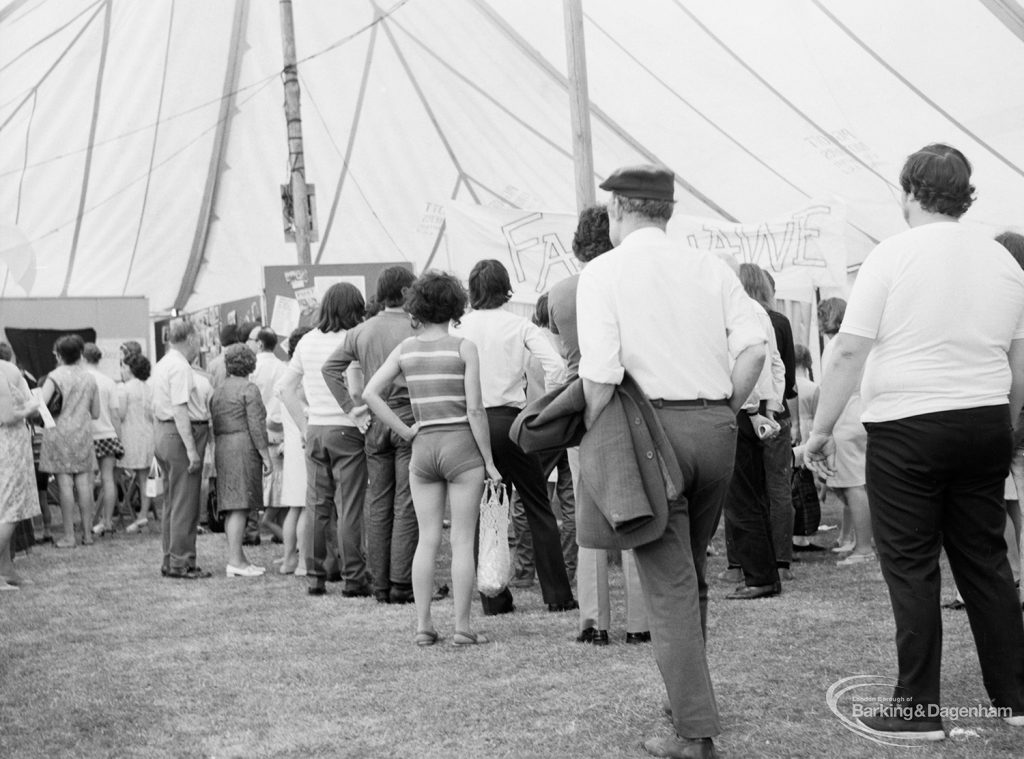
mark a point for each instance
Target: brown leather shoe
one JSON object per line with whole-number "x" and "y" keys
{"x": 681, "y": 748}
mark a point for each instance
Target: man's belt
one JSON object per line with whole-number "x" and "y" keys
{"x": 702, "y": 402}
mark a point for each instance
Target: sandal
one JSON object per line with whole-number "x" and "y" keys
{"x": 426, "y": 638}
{"x": 469, "y": 639}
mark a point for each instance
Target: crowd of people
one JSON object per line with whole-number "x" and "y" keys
{"x": 356, "y": 448}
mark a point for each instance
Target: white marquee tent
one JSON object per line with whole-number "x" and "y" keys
{"x": 142, "y": 142}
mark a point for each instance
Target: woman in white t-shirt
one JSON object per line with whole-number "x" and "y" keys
{"x": 334, "y": 442}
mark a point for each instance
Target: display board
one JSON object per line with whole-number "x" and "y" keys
{"x": 114, "y": 320}
{"x": 293, "y": 293}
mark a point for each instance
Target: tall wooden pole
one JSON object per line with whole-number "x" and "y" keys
{"x": 296, "y": 161}
{"x": 579, "y": 104}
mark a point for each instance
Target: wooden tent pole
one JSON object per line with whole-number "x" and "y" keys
{"x": 296, "y": 160}
{"x": 579, "y": 104}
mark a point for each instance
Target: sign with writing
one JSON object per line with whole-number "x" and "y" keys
{"x": 802, "y": 250}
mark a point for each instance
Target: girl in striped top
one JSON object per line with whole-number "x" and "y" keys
{"x": 451, "y": 448}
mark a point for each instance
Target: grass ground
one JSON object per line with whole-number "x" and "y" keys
{"x": 100, "y": 657}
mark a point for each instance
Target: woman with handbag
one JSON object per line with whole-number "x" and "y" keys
{"x": 241, "y": 454}
{"x": 67, "y": 450}
{"x": 136, "y": 406}
{"x": 451, "y": 449}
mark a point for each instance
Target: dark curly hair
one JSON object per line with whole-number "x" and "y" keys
{"x": 138, "y": 365}
{"x": 1014, "y": 243}
{"x": 294, "y": 337}
{"x": 239, "y": 360}
{"x": 830, "y": 315}
{"x": 939, "y": 178}
{"x": 436, "y": 298}
{"x": 489, "y": 285}
{"x": 591, "y": 237}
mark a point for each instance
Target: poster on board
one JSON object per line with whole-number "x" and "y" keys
{"x": 293, "y": 293}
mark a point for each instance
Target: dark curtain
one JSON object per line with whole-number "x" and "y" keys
{"x": 34, "y": 347}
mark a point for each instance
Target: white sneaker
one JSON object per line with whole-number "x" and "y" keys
{"x": 1016, "y": 720}
{"x": 250, "y": 571}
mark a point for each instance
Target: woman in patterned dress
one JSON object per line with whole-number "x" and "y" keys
{"x": 67, "y": 450}
{"x": 136, "y": 404}
{"x": 18, "y": 497}
{"x": 242, "y": 457}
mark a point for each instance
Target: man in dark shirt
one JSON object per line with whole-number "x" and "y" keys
{"x": 391, "y": 529}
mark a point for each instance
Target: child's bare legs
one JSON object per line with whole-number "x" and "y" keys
{"x": 428, "y": 501}
{"x": 464, "y": 496}
{"x": 855, "y": 500}
{"x": 108, "y": 494}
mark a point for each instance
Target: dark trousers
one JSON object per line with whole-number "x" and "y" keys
{"x": 564, "y": 505}
{"x": 671, "y": 568}
{"x": 391, "y": 528}
{"x": 180, "y": 522}
{"x": 336, "y": 474}
{"x": 748, "y": 527}
{"x": 777, "y": 454}
{"x": 937, "y": 480}
{"x": 523, "y": 471}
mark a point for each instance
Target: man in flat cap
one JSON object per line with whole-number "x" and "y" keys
{"x": 672, "y": 316}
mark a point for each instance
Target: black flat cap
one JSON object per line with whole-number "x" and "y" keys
{"x": 645, "y": 181}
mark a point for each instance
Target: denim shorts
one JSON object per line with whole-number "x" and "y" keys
{"x": 442, "y": 455}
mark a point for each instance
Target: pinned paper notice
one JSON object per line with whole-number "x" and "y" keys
{"x": 286, "y": 315}
{"x": 323, "y": 284}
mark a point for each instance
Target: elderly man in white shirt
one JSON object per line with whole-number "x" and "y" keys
{"x": 673, "y": 317}
{"x": 505, "y": 342}
{"x": 182, "y": 428}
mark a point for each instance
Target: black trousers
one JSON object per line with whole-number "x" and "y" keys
{"x": 523, "y": 471}
{"x": 747, "y": 510}
{"x": 937, "y": 480}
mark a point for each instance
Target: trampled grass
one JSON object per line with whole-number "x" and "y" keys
{"x": 101, "y": 657}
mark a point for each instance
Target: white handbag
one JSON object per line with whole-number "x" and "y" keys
{"x": 494, "y": 562}
{"x": 155, "y": 481}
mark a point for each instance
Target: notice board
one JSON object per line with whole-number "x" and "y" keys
{"x": 293, "y": 293}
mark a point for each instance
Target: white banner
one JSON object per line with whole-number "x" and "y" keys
{"x": 802, "y": 250}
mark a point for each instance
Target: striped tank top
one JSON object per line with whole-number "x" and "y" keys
{"x": 436, "y": 375}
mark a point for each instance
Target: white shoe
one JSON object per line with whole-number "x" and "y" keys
{"x": 135, "y": 526}
{"x": 1016, "y": 720}
{"x": 300, "y": 571}
{"x": 856, "y": 558}
{"x": 7, "y": 586}
{"x": 250, "y": 571}
{"x": 844, "y": 548}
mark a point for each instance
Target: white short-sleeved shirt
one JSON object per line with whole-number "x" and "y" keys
{"x": 506, "y": 342}
{"x": 308, "y": 359}
{"x": 103, "y": 428}
{"x": 674, "y": 317}
{"x": 174, "y": 382}
{"x": 942, "y": 303}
